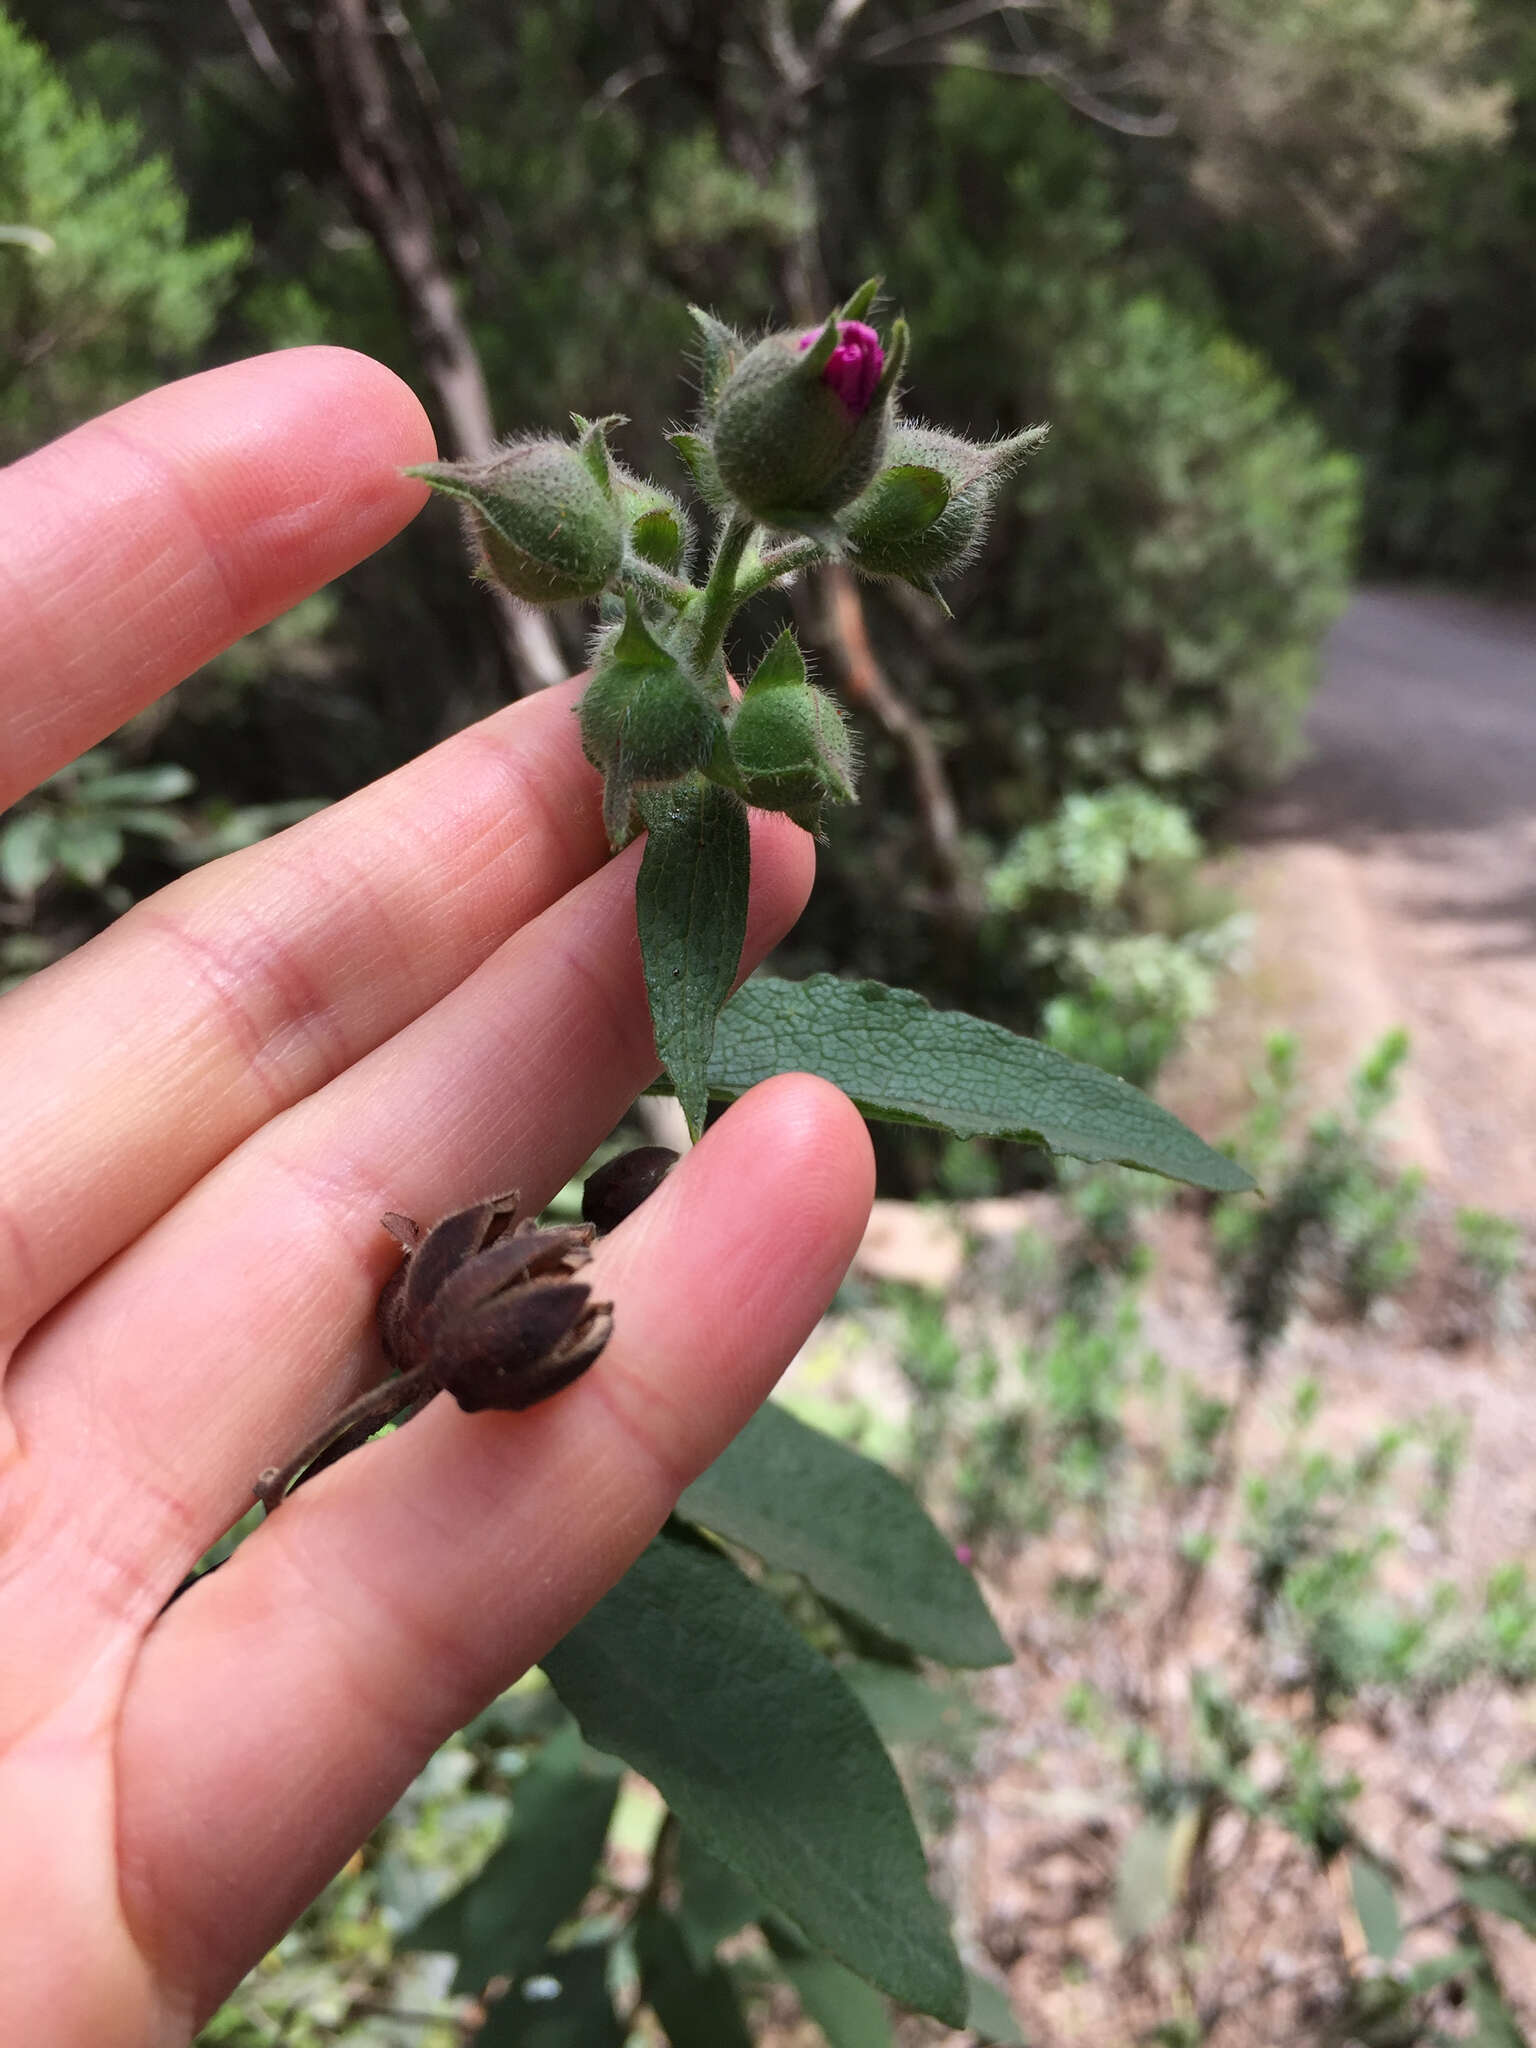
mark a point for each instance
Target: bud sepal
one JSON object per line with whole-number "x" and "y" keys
{"x": 926, "y": 514}
{"x": 540, "y": 520}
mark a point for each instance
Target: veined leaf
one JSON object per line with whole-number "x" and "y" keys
{"x": 691, "y": 906}
{"x": 694, "y": 1677}
{"x": 903, "y": 1062}
{"x": 808, "y": 1504}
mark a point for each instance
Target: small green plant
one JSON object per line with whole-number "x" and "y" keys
{"x": 1491, "y": 1254}
{"x": 1337, "y": 1214}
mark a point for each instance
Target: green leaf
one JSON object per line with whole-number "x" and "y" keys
{"x": 1506, "y": 1885}
{"x": 1497, "y": 2026}
{"x": 564, "y": 2003}
{"x": 991, "y": 2016}
{"x": 1376, "y": 1907}
{"x": 696, "y": 2005}
{"x": 695, "y": 1678}
{"x": 847, "y": 2011}
{"x": 88, "y": 849}
{"x": 903, "y": 1062}
{"x": 158, "y": 785}
{"x": 904, "y": 1706}
{"x": 713, "y": 1902}
{"x": 691, "y": 907}
{"x": 499, "y": 1923}
{"x": 28, "y": 852}
{"x": 806, "y": 1503}
{"x": 1154, "y": 1865}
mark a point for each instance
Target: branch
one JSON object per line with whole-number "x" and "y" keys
{"x": 832, "y": 33}
{"x": 261, "y": 46}
{"x": 964, "y": 15}
{"x": 865, "y": 684}
{"x": 617, "y": 83}
{"x": 919, "y": 43}
{"x": 442, "y": 139}
{"x": 390, "y": 197}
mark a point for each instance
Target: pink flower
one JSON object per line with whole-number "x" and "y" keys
{"x": 964, "y": 1553}
{"x": 853, "y": 368}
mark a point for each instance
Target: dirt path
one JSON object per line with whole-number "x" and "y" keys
{"x": 1393, "y": 879}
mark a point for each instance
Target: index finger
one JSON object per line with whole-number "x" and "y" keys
{"x": 137, "y": 547}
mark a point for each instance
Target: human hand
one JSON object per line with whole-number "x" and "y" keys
{"x": 423, "y": 995}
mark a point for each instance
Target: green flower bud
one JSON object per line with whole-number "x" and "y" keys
{"x": 542, "y": 515}
{"x": 643, "y": 720}
{"x": 926, "y": 514}
{"x": 787, "y": 748}
{"x": 659, "y": 529}
{"x": 800, "y": 424}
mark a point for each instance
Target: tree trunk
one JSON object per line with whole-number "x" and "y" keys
{"x": 392, "y": 198}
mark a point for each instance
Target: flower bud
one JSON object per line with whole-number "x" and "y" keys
{"x": 659, "y": 529}
{"x": 542, "y": 515}
{"x": 800, "y": 424}
{"x": 642, "y": 720}
{"x": 787, "y": 748}
{"x": 926, "y": 513}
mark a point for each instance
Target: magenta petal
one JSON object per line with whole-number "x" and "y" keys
{"x": 853, "y": 368}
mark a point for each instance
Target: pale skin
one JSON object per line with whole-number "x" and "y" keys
{"x": 427, "y": 994}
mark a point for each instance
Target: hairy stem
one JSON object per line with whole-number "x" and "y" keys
{"x": 778, "y": 563}
{"x": 720, "y": 593}
{"x": 650, "y": 581}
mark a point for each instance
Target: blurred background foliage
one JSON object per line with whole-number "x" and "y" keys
{"x": 1260, "y": 267}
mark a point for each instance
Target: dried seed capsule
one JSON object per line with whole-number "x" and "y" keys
{"x": 617, "y": 1189}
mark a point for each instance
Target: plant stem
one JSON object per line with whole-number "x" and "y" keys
{"x": 673, "y": 590}
{"x": 378, "y": 1406}
{"x": 721, "y": 596}
{"x": 778, "y": 563}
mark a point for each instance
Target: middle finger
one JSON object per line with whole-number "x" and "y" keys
{"x": 218, "y": 1342}
{"x": 240, "y": 989}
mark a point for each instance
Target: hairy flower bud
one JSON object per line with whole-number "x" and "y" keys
{"x": 543, "y": 515}
{"x": 660, "y": 531}
{"x": 926, "y": 514}
{"x": 787, "y": 748}
{"x": 799, "y": 426}
{"x": 643, "y": 720}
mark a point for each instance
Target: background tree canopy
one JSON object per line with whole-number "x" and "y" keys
{"x": 1255, "y": 264}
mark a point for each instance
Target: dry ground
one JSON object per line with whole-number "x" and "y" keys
{"x": 1394, "y": 882}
